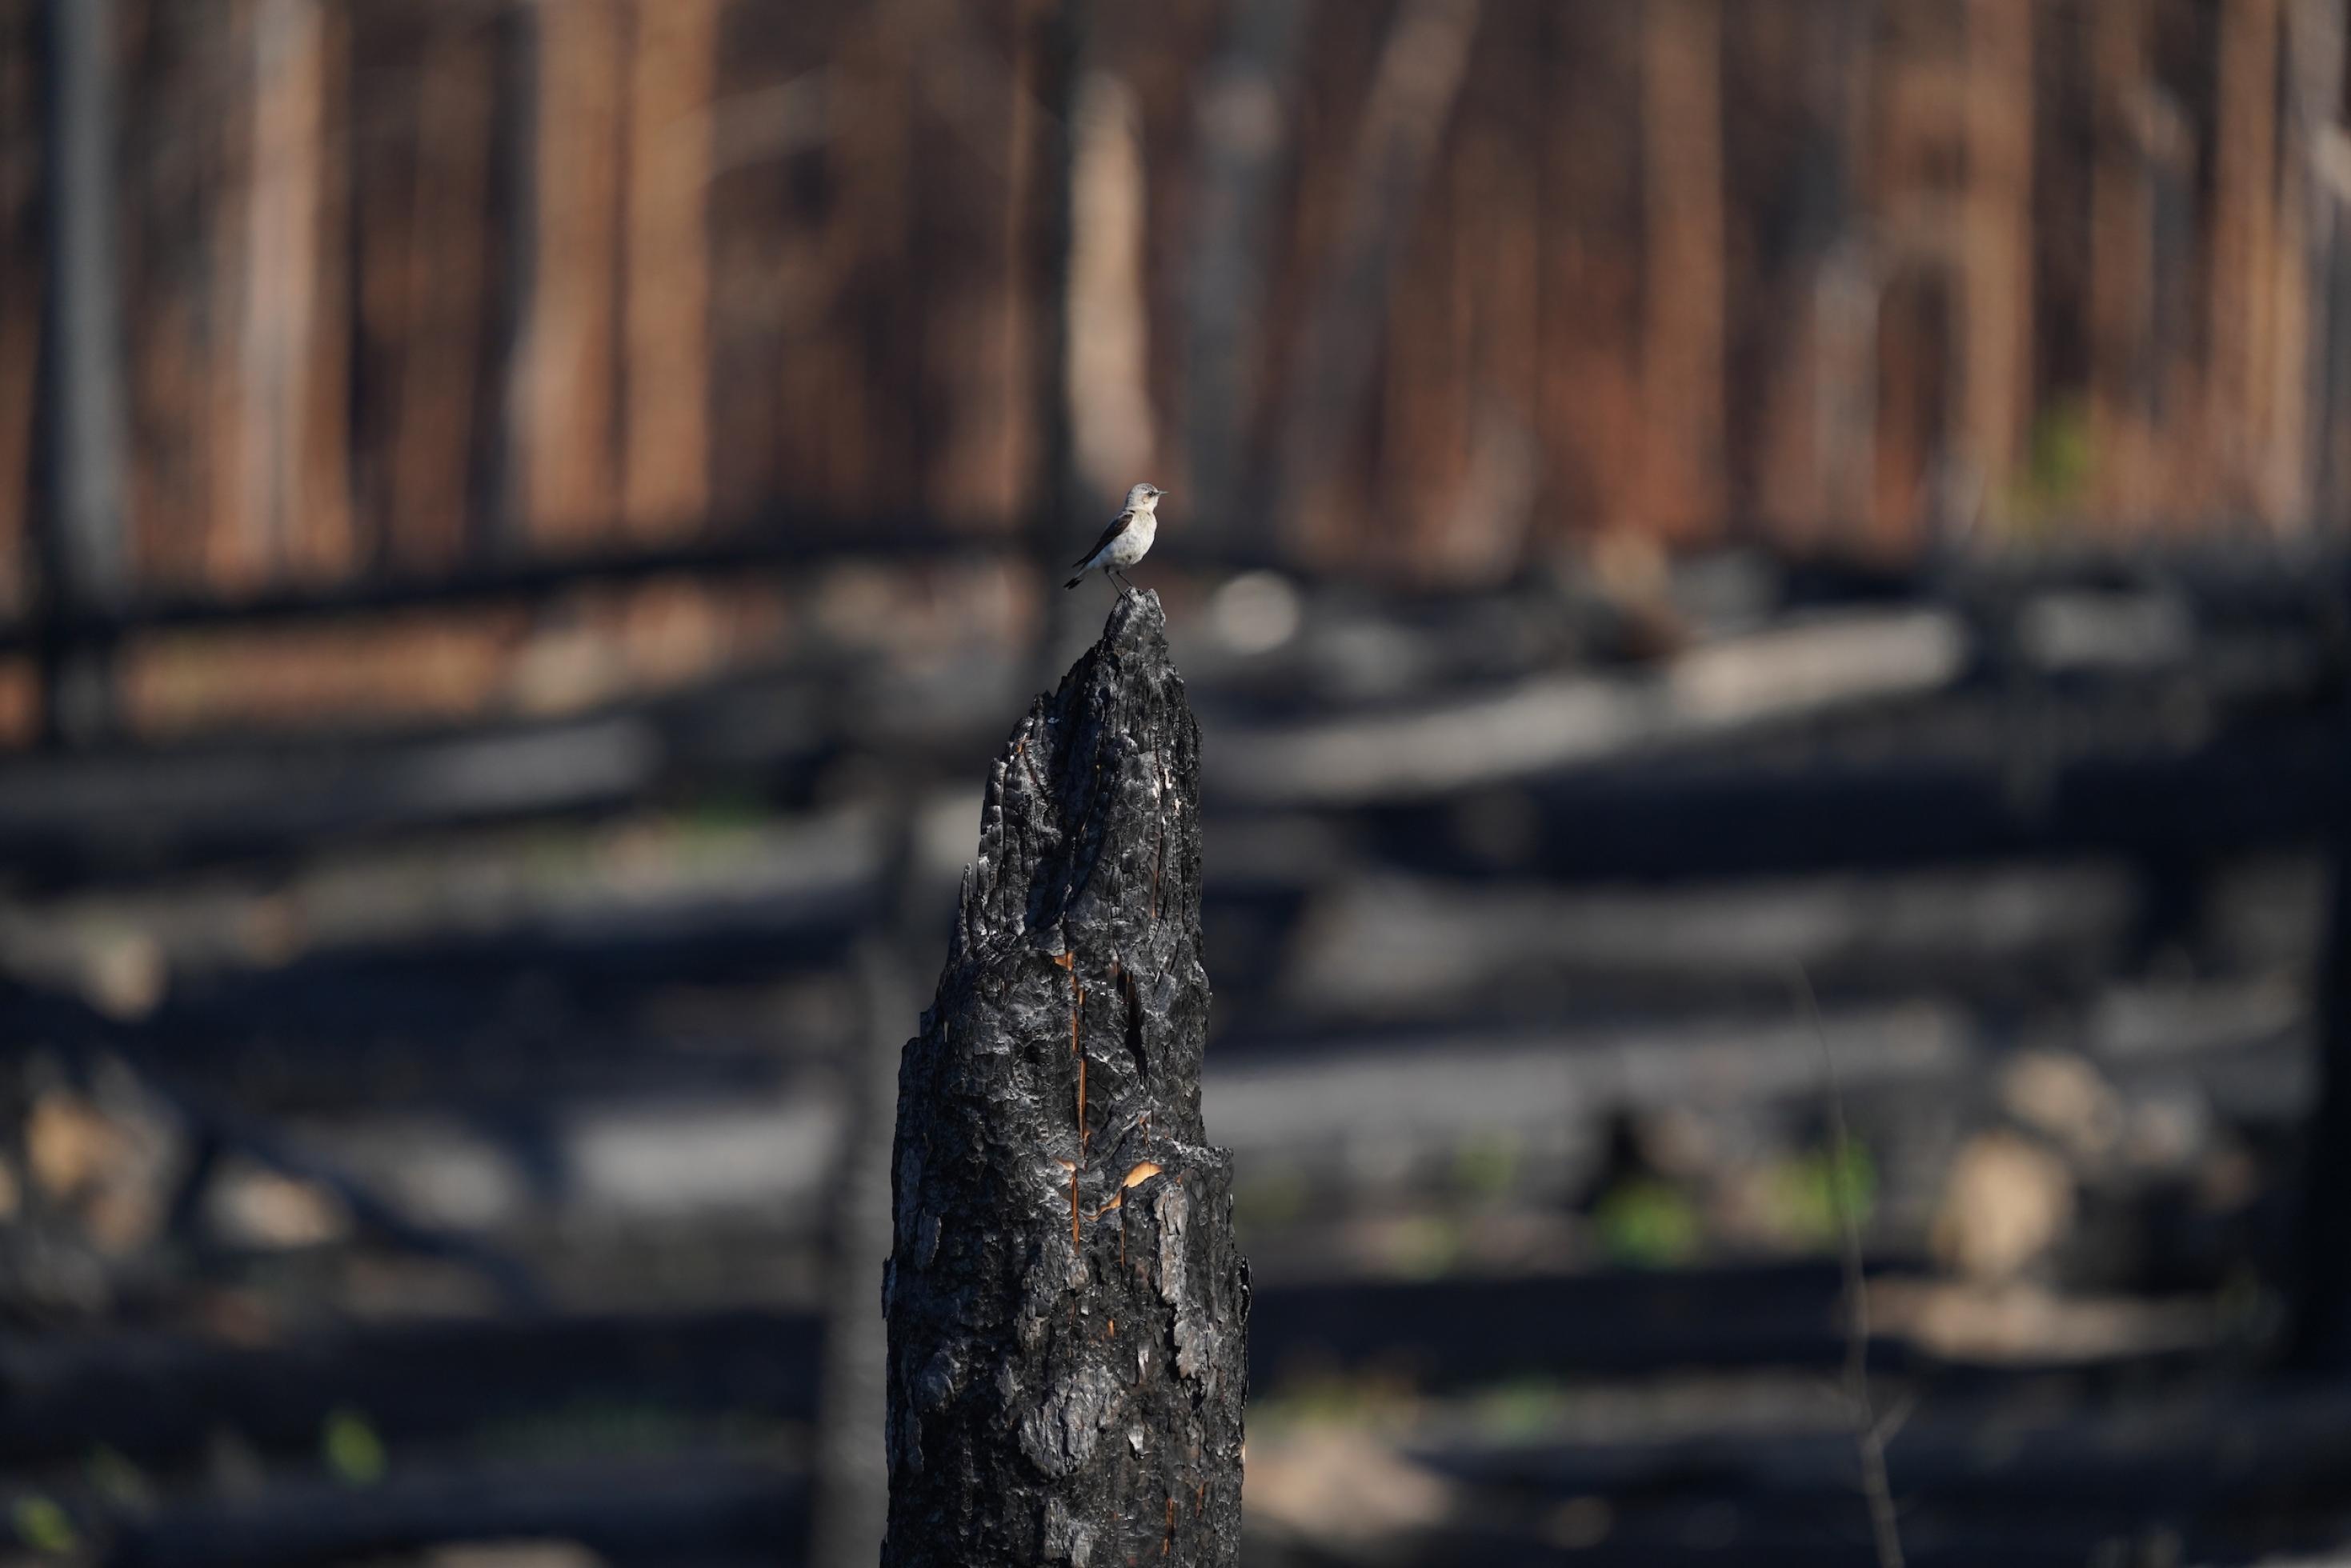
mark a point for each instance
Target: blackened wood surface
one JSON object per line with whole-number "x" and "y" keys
{"x": 1067, "y": 1311}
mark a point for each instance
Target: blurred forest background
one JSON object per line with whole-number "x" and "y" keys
{"x": 522, "y": 522}
{"x": 1425, "y": 291}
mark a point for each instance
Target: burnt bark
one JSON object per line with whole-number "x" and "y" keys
{"x": 1067, "y": 1311}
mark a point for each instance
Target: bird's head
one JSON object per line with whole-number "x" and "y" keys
{"x": 1143, "y": 497}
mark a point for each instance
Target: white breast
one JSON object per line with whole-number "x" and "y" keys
{"x": 1131, "y": 542}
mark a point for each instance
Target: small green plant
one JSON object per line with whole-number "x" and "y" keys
{"x": 2060, "y": 460}
{"x": 351, "y": 1447}
{"x": 42, "y": 1525}
{"x": 1520, "y": 1408}
{"x": 1647, "y": 1224}
{"x": 1809, "y": 1196}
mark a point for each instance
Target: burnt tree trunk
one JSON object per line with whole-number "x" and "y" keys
{"x": 1068, "y": 1314}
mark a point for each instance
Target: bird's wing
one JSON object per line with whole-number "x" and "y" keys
{"x": 1108, "y": 533}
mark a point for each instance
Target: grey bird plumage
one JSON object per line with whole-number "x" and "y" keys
{"x": 1125, "y": 541}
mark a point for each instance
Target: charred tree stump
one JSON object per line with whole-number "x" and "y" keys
{"x": 1068, "y": 1314}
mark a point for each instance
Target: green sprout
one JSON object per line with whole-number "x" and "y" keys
{"x": 1812, "y": 1196}
{"x": 1647, "y": 1224}
{"x": 42, "y": 1525}
{"x": 351, "y": 1449}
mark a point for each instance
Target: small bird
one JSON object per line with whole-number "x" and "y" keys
{"x": 1125, "y": 541}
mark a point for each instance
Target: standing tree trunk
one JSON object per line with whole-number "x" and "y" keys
{"x": 87, "y": 566}
{"x": 567, "y": 366}
{"x": 664, "y": 279}
{"x": 1681, "y": 488}
{"x": 1068, "y": 1314}
{"x": 1994, "y": 342}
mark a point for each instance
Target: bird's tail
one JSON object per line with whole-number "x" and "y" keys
{"x": 1073, "y": 582}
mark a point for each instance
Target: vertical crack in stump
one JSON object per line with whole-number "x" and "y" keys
{"x": 1022, "y": 1426}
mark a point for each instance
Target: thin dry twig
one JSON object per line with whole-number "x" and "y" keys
{"x": 1870, "y": 1433}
